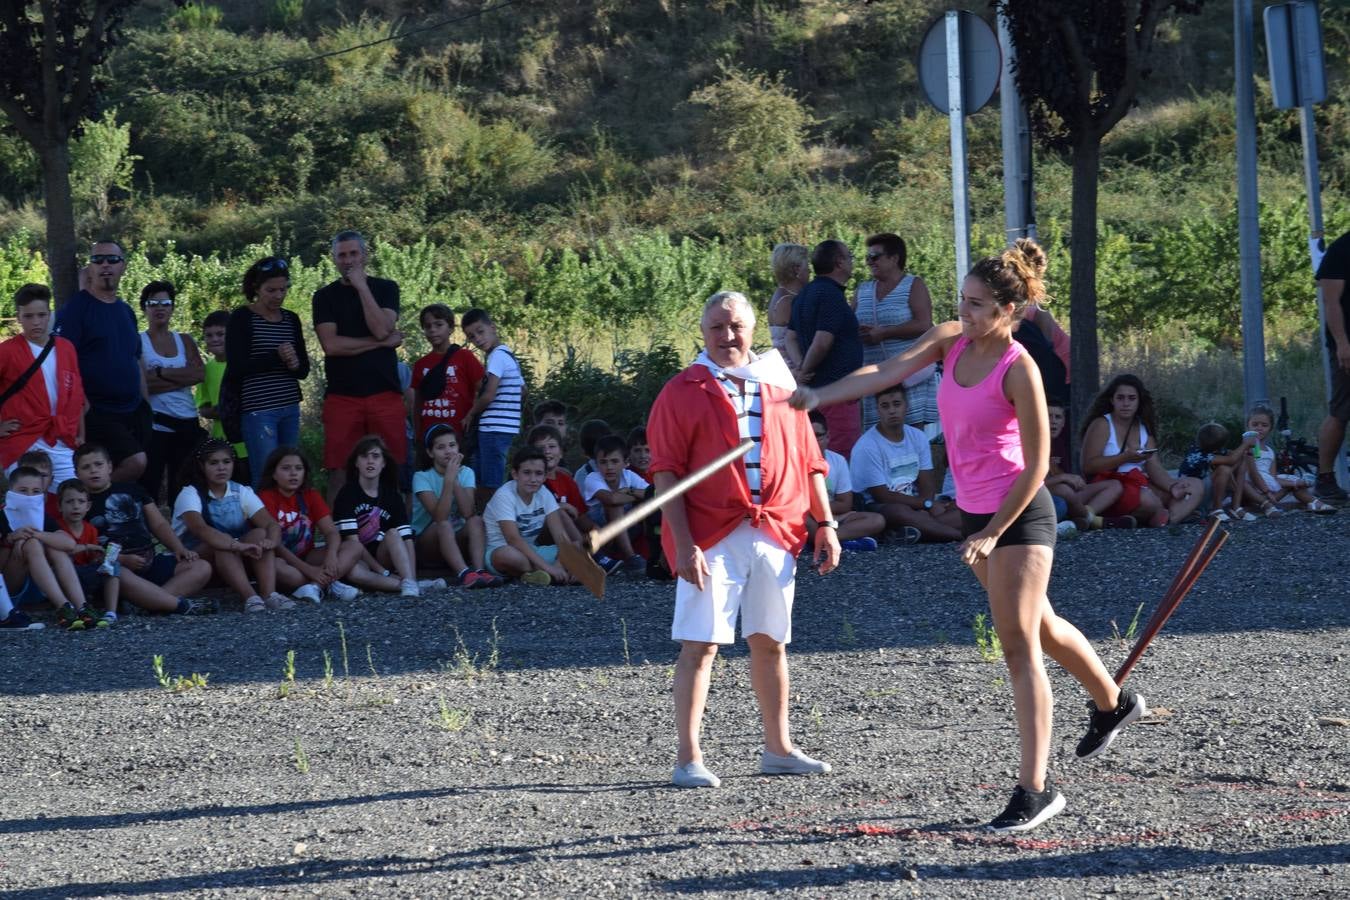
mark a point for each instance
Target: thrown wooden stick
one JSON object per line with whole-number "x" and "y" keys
{"x": 1201, "y": 555}
{"x": 577, "y": 559}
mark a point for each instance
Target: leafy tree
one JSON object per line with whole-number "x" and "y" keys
{"x": 1079, "y": 67}
{"x": 52, "y": 50}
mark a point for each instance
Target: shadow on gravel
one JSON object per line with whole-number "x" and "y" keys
{"x": 1280, "y": 575}
{"x": 42, "y": 823}
{"x": 1121, "y": 861}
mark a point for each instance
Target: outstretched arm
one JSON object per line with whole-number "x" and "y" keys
{"x": 870, "y": 379}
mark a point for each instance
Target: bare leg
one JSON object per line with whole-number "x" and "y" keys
{"x": 854, "y": 525}
{"x": 40, "y": 570}
{"x": 229, "y": 568}
{"x": 1330, "y": 437}
{"x": 361, "y": 576}
{"x": 474, "y": 533}
{"x": 63, "y": 567}
{"x": 188, "y": 578}
{"x": 693, "y": 673}
{"x": 264, "y": 567}
{"x": 898, "y": 515}
{"x": 396, "y": 554}
{"x": 111, "y": 589}
{"x": 150, "y": 596}
{"x": 1179, "y": 508}
{"x": 288, "y": 576}
{"x": 769, "y": 678}
{"x": 511, "y": 562}
{"x": 130, "y": 469}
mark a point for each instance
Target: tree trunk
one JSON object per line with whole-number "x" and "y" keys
{"x": 61, "y": 245}
{"x": 1085, "y": 368}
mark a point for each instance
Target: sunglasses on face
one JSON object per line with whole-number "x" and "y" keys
{"x": 274, "y": 264}
{"x": 100, "y": 258}
{"x": 150, "y": 303}
{"x": 874, "y": 256}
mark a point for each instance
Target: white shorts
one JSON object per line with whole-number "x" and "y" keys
{"x": 63, "y": 462}
{"x": 749, "y": 574}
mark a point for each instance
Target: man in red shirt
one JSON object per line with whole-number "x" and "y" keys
{"x": 733, "y": 539}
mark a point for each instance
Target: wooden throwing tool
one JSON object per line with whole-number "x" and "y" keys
{"x": 1201, "y": 555}
{"x": 577, "y": 559}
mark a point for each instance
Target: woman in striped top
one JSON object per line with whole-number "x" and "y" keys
{"x": 265, "y": 356}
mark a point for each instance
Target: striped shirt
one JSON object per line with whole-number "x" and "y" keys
{"x": 745, "y": 401}
{"x": 276, "y": 388}
{"x": 502, "y": 415}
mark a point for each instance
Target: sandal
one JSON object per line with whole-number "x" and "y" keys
{"x": 1320, "y": 508}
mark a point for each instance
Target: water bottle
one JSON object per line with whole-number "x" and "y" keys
{"x": 109, "y": 565}
{"x": 1256, "y": 447}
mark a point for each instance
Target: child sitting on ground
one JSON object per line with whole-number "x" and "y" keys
{"x": 576, "y": 520}
{"x": 858, "y": 530}
{"x": 96, "y": 580}
{"x": 1082, "y": 500}
{"x": 639, "y": 452}
{"x": 1224, "y": 475}
{"x": 611, "y": 491}
{"x": 444, "y": 519}
{"x": 369, "y": 510}
{"x": 38, "y": 562}
{"x": 124, "y": 514}
{"x": 515, "y": 518}
{"x": 40, "y": 461}
{"x": 228, "y": 525}
{"x": 592, "y": 430}
{"x": 1270, "y": 487}
{"x": 554, "y": 414}
{"x": 300, "y": 512}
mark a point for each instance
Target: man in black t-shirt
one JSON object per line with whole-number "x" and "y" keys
{"x": 827, "y": 331}
{"x": 1332, "y": 275}
{"x": 356, "y": 320}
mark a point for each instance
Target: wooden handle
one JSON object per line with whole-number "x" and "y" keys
{"x": 603, "y": 536}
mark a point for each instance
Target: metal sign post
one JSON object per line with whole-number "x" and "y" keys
{"x": 1298, "y": 78}
{"x": 959, "y": 63}
{"x": 1249, "y": 227}
{"x": 1019, "y": 213}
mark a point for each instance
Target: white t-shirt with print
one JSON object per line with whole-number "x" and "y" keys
{"x": 878, "y": 462}
{"x": 506, "y": 506}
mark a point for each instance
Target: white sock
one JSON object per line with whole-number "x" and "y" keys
{"x": 6, "y": 605}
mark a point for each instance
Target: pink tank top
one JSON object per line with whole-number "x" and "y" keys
{"x": 984, "y": 444}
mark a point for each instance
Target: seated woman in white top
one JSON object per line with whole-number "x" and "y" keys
{"x": 1118, "y": 443}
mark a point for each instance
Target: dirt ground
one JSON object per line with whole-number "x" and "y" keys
{"x": 518, "y": 742}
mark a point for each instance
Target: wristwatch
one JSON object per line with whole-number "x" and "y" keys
{"x": 830, "y": 523}
{"x": 928, "y": 504}
{"x": 159, "y": 371}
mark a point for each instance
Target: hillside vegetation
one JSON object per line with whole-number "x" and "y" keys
{"x": 594, "y": 168}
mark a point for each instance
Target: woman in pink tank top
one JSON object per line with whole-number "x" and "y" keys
{"x": 992, "y": 408}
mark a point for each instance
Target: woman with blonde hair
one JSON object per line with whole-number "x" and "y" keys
{"x": 791, "y": 271}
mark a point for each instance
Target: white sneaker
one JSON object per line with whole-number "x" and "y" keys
{"x": 432, "y": 584}
{"x": 409, "y": 588}
{"x": 1066, "y": 529}
{"x": 344, "y": 592}
{"x": 311, "y": 592}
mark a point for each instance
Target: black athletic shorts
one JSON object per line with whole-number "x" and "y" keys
{"x": 1035, "y": 526}
{"x": 122, "y": 434}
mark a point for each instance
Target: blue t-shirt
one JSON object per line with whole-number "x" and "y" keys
{"x": 821, "y": 306}
{"x": 109, "y": 348}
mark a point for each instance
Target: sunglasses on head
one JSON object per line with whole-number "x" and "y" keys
{"x": 99, "y": 258}
{"x": 150, "y": 303}
{"x": 273, "y": 264}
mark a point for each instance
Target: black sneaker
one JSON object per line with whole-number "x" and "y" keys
{"x": 1103, "y": 726}
{"x": 19, "y": 621}
{"x": 1027, "y": 809}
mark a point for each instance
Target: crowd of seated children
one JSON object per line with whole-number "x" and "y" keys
{"x": 516, "y": 518}
{"x": 370, "y": 510}
{"x": 445, "y": 522}
{"x": 612, "y": 490}
{"x": 301, "y": 513}
{"x": 36, "y": 553}
{"x": 1222, "y": 473}
{"x": 228, "y": 525}
{"x": 98, "y": 579}
{"x": 1076, "y": 500}
{"x": 892, "y": 466}
{"x": 858, "y": 530}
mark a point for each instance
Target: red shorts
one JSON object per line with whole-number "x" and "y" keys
{"x": 1131, "y": 483}
{"x": 845, "y": 423}
{"x": 348, "y": 419}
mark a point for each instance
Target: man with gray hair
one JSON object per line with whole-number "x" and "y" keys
{"x": 733, "y": 539}
{"x": 356, "y": 320}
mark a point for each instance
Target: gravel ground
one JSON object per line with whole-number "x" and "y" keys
{"x": 518, "y": 742}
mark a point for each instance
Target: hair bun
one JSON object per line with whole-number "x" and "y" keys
{"x": 1028, "y": 260}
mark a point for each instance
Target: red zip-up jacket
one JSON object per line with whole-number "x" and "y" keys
{"x": 693, "y": 422}
{"x": 31, "y": 406}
